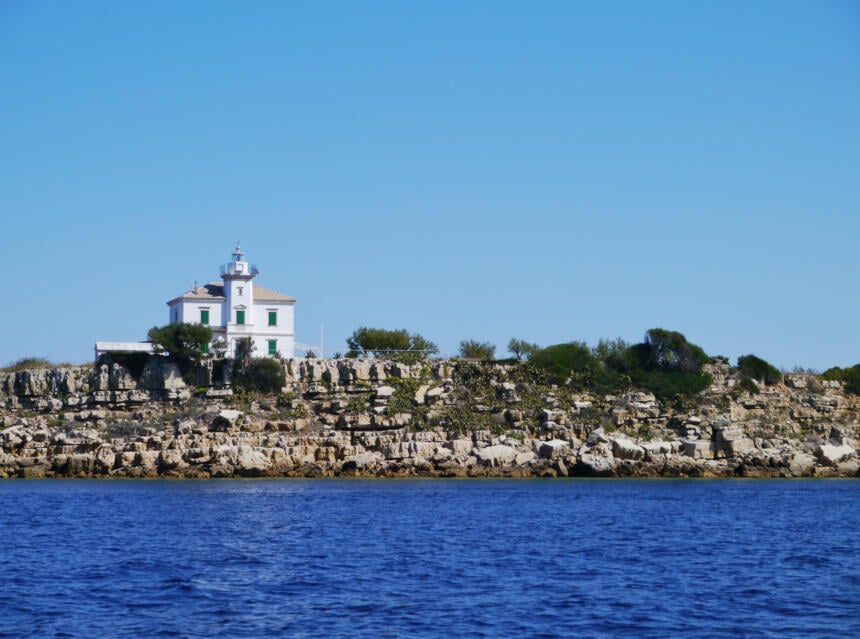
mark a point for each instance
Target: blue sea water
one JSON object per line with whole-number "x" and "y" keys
{"x": 430, "y": 558}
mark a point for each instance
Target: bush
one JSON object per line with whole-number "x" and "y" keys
{"x": 396, "y": 344}
{"x": 471, "y": 349}
{"x": 849, "y": 376}
{"x": 852, "y": 379}
{"x": 748, "y": 384}
{"x": 564, "y": 361}
{"x": 757, "y": 368}
{"x": 834, "y": 374}
{"x": 261, "y": 375}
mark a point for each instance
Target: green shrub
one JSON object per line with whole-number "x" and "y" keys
{"x": 834, "y": 374}
{"x": 757, "y": 368}
{"x": 260, "y": 375}
{"x": 852, "y": 379}
{"x": 672, "y": 384}
{"x": 849, "y": 376}
{"x": 748, "y": 384}
{"x": 472, "y": 349}
{"x": 665, "y": 363}
{"x": 563, "y": 361}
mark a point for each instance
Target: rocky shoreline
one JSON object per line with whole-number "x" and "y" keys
{"x": 371, "y": 418}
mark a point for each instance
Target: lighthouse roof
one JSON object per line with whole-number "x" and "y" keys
{"x": 214, "y": 291}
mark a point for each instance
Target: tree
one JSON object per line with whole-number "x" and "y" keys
{"x": 670, "y": 351}
{"x": 573, "y": 360}
{"x": 472, "y": 349}
{"x": 521, "y": 348}
{"x": 243, "y": 354}
{"x": 397, "y": 344}
{"x": 184, "y": 344}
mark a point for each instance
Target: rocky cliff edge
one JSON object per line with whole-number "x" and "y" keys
{"x": 439, "y": 419}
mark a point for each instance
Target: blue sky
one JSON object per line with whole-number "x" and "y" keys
{"x": 466, "y": 170}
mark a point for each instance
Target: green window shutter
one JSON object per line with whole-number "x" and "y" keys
{"x": 273, "y": 346}
{"x": 204, "y": 317}
{"x": 273, "y": 318}
{"x": 206, "y": 349}
{"x": 240, "y": 317}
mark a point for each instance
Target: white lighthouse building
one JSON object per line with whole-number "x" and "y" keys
{"x": 236, "y": 307}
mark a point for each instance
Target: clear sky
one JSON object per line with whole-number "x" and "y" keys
{"x": 550, "y": 170}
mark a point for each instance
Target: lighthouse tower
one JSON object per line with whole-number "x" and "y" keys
{"x": 237, "y": 307}
{"x": 238, "y": 279}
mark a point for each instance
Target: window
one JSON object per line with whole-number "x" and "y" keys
{"x": 273, "y": 318}
{"x": 240, "y": 289}
{"x": 240, "y": 317}
{"x": 204, "y": 315}
{"x": 273, "y": 347}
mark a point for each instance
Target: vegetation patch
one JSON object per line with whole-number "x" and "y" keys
{"x": 26, "y": 363}
{"x": 849, "y": 376}
{"x": 756, "y": 368}
{"x": 665, "y": 363}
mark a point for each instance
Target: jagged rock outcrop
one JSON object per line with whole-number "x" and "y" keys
{"x": 379, "y": 418}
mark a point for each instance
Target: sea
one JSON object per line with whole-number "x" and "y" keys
{"x": 430, "y": 558}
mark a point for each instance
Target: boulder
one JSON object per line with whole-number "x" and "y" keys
{"x": 830, "y": 455}
{"x": 460, "y": 446}
{"x": 361, "y": 461}
{"x": 420, "y": 394}
{"x": 120, "y": 379}
{"x": 657, "y": 448}
{"x": 698, "y": 449}
{"x": 554, "y": 449}
{"x": 227, "y": 421}
{"x": 104, "y": 459}
{"x": 623, "y": 448}
{"x": 598, "y": 436}
{"x": 170, "y": 460}
{"x": 801, "y": 465}
{"x": 385, "y": 392}
{"x": 495, "y": 456}
{"x": 523, "y": 459}
{"x": 592, "y": 465}
{"x": 251, "y": 462}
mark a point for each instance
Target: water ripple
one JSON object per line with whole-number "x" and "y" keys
{"x": 430, "y": 559}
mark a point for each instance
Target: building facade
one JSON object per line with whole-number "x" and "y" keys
{"x": 237, "y": 307}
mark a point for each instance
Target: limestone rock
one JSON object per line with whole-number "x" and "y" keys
{"x": 495, "y": 456}
{"x": 226, "y": 421}
{"x": 801, "y": 465}
{"x": 831, "y": 455}
{"x": 361, "y": 461}
{"x": 251, "y": 462}
{"x": 553, "y": 449}
{"x": 385, "y": 392}
{"x": 698, "y": 449}
{"x": 623, "y": 448}
{"x": 589, "y": 464}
